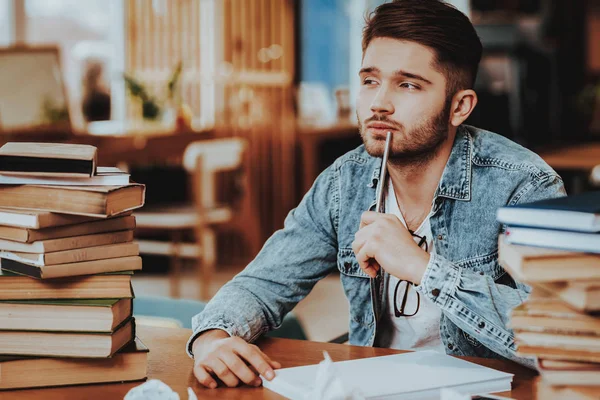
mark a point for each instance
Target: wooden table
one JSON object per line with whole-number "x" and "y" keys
{"x": 166, "y": 148}
{"x": 134, "y": 148}
{"x": 575, "y": 163}
{"x": 169, "y": 363}
{"x": 583, "y": 157}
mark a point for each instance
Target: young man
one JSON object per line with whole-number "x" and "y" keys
{"x": 440, "y": 285}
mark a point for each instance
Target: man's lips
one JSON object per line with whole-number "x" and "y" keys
{"x": 380, "y": 126}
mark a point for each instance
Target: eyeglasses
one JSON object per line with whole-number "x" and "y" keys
{"x": 401, "y": 312}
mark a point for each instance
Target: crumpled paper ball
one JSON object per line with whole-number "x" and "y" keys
{"x": 155, "y": 389}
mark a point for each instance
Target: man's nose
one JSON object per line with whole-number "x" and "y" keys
{"x": 382, "y": 103}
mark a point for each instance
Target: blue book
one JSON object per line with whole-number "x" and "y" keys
{"x": 580, "y": 213}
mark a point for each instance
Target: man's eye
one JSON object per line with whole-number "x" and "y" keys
{"x": 409, "y": 86}
{"x": 369, "y": 81}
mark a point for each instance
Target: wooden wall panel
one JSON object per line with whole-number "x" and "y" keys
{"x": 157, "y": 39}
{"x": 253, "y": 79}
{"x": 259, "y": 45}
{"x": 593, "y": 38}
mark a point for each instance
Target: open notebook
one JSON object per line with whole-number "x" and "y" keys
{"x": 416, "y": 375}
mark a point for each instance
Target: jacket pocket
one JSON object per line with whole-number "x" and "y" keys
{"x": 348, "y": 265}
{"x": 357, "y": 287}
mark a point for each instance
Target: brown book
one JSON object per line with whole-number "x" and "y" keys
{"x": 569, "y": 373}
{"x": 553, "y": 316}
{"x": 103, "y": 286}
{"x": 68, "y": 315}
{"x": 105, "y": 176}
{"x": 128, "y": 364}
{"x": 73, "y": 269}
{"x": 69, "y": 243}
{"x": 86, "y": 228}
{"x": 42, "y": 219}
{"x": 94, "y": 201}
{"x": 48, "y": 159}
{"x": 550, "y": 392}
{"x": 539, "y": 294}
{"x": 557, "y": 353}
{"x": 76, "y": 255}
{"x": 537, "y": 264}
{"x": 583, "y": 296}
{"x": 589, "y": 343}
{"x": 67, "y": 344}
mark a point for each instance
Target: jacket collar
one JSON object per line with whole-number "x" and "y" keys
{"x": 456, "y": 178}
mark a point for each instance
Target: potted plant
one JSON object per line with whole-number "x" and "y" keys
{"x": 153, "y": 107}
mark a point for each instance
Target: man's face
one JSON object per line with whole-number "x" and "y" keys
{"x": 403, "y": 93}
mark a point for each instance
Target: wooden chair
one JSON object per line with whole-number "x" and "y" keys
{"x": 204, "y": 161}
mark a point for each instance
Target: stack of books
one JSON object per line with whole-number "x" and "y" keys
{"x": 554, "y": 246}
{"x": 67, "y": 256}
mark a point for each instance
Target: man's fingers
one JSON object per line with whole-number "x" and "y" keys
{"x": 365, "y": 254}
{"x": 239, "y": 368}
{"x": 362, "y": 236}
{"x": 368, "y": 217}
{"x": 256, "y": 358}
{"x": 366, "y": 260}
{"x": 274, "y": 364}
{"x": 222, "y": 371}
{"x": 204, "y": 377}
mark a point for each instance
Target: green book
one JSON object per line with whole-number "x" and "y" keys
{"x": 129, "y": 263}
{"x": 128, "y": 364}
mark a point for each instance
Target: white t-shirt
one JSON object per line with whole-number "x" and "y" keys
{"x": 422, "y": 330}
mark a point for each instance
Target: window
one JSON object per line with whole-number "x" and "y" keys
{"x": 83, "y": 31}
{"x": 5, "y": 25}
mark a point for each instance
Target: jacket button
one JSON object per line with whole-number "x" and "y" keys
{"x": 450, "y": 346}
{"x": 481, "y": 325}
{"x": 435, "y": 292}
{"x": 347, "y": 265}
{"x": 481, "y": 273}
{"x": 440, "y": 237}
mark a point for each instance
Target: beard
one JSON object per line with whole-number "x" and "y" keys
{"x": 416, "y": 146}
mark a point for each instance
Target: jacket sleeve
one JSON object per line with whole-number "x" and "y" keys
{"x": 476, "y": 303}
{"x": 291, "y": 262}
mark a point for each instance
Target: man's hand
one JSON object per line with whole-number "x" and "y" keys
{"x": 231, "y": 359}
{"x": 383, "y": 238}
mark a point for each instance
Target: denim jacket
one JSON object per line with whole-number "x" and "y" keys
{"x": 485, "y": 171}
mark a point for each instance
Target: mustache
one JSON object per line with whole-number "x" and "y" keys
{"x": 384, "y": 119}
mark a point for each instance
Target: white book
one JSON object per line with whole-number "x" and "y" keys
{"x": 415, "y": 375}
{"x": 105, "y": 176}
{"x": 579, "y": 213}
{"x": 566, "y": 240}
{"x": 551, "y": 219}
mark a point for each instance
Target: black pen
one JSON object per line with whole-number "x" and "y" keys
{"x": 383, "y": 173}
{"x": 381, "y": 186}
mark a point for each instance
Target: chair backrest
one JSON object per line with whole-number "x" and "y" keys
{"x": 214, "y": 155}
{"x": 204, "y": 159}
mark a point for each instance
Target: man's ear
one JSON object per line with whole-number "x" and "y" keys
{"x": 462, "y": 106}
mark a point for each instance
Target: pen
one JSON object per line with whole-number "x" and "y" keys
{"x": 383, "y": 173}
{"x": 381, "y": 185}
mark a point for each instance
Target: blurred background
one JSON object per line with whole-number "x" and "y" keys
{"x": 228, "y": 109}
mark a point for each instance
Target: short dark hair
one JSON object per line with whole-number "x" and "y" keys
{"x": 434, "y": 24}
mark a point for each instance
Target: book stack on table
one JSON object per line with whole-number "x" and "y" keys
{"x": 67, "y": 255}
{"x": 554, "y": 246}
